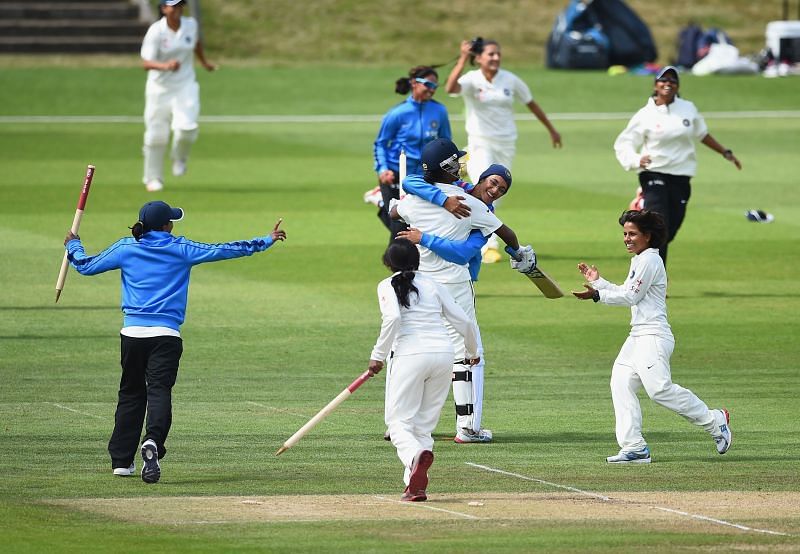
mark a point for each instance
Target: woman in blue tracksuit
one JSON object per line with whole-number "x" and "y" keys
{"x": 155, "y": 267}
{"x": 408, "y": 126}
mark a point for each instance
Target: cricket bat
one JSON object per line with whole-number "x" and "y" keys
{"x": 542, "y": 280}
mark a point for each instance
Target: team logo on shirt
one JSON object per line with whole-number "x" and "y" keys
{"x": 686, "y": 123}
{"x": 188, "y": 40}
{"x": 434, "y": 124}
{"x": 632, "y": 274}
{"x": 507, "y": 92}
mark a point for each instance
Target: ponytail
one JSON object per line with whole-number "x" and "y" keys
{"x": 137, "y": 230}
{"x": 402, "y": 257}
{"x": 403, "y": 285}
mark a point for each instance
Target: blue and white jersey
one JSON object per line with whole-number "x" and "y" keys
{"x": 409, "y": 126}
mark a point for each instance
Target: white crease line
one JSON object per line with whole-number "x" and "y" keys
{"x": 548, "y": 483}
{"x": 427, "y": 507}
{"x": 721, "y": 522}
{"x": 623, "y": 501}
{"x": 73, "y": 410}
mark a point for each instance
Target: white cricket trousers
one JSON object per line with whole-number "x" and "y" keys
{"x": 644, "y": 362}
{"x": 165, "y": 108}
{"x": 464, "y": 295}
{"x": 417, "y": 390}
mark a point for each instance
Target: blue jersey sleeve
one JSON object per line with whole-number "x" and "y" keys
{"x": 416, "y": 185}
{"x": 458, "y": 251}
{"x": 106, "y": 260}
{"x": 386, "y": 135}
{"x": 200, "y": 252}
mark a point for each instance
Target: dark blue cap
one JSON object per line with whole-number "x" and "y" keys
{"x": 497, "y": 169}
{"x": 154, "y": 215}
{"x": 442, "y": 154}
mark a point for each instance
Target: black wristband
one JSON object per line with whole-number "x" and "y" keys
{"x": 727, "y": 154}
{"x": 596, "y": 296}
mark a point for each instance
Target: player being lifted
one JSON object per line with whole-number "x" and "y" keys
{"x": 465, "y": 218}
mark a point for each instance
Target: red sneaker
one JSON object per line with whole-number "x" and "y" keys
{"x": 418, "y": 481}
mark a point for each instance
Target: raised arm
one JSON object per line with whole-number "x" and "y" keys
{"x": 451, "y": 85}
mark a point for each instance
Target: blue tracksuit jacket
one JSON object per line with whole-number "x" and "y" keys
{"x": 409, "y": 126}
{"x": 155, "y": 272}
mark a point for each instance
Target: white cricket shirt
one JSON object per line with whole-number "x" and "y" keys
{"x": 420, "y": 328}
{"x": 645, "y": 291}
{"x": 162, "y": 44}
{"x": 490, "y": 104}
{"x": 667, "y": 133}
{"x": 433, "y": 219}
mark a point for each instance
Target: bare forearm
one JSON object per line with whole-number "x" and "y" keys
{"x": 508, "y": 236}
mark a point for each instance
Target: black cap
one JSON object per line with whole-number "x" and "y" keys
{"x": 668, "y": 69}
{"x": 442, "y": 155}
{"x": 154, "y": 215}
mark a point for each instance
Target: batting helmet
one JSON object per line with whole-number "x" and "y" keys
{"x": 442, "y": 155}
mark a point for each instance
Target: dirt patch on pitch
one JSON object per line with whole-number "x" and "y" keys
{"x": 775, "y": 511}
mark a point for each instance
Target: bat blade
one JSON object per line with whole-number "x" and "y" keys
{"x": 545, "y": 283}
{"x": 542, "y": 280}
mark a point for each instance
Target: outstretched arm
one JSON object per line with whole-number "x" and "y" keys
{"x": 555, "y": 137}
{"x": 201, "y": 57}
{"x": 712, "y": 143}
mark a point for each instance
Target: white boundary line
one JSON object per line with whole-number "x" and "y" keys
{"x": 73, "y": 410}
{"x": 427, "y": 507}
{"x": 622, "y": 501}
{"x": 355, "y": 118}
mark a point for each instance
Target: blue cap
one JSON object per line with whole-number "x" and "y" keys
{"x": 154, "y": 215}
{"x": 497, "y": 169}
{"x": 170, "y": 2}
{"x": 442, "y": 154}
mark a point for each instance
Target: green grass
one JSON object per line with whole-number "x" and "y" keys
{"x": 270, "y": 339}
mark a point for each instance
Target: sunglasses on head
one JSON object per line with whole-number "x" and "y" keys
{"x": 429, "y": 84}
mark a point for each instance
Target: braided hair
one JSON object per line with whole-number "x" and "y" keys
{"x": 402, "y": 257}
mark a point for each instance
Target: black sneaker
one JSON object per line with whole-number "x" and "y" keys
{"x": 151, "y": 471}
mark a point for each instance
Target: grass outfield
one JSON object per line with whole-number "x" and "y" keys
{"x": 270, "y": 339}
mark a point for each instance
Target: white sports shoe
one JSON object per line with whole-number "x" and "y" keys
{"x": 178, "y": 167}
{"x": 725, "y": 438}
{"x": 374, "y": 196}
{"x": 636, "y": 457}
{"x": 465, "y": 436}
{"x": 154, "y": 186}
{"x": 151, "y": 471}
{"x": 125, "y": 471}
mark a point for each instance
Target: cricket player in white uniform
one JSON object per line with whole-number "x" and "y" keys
{"x": 440, "y": 162}
{"x": 489, "y": 94}
{"x": 658, "y": 142}
{"x": 172, "y": 95}
{"x": 413, "y": 309}
{"x": 644, "y": 358}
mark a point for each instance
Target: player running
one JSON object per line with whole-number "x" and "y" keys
{"x": 413, "y": 334}
{"x": 644, "y": 358}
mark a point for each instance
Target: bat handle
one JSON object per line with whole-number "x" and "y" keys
{"x": 513, "y": 253}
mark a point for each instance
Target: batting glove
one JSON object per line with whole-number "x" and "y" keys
{"x": 527, "y": 259}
